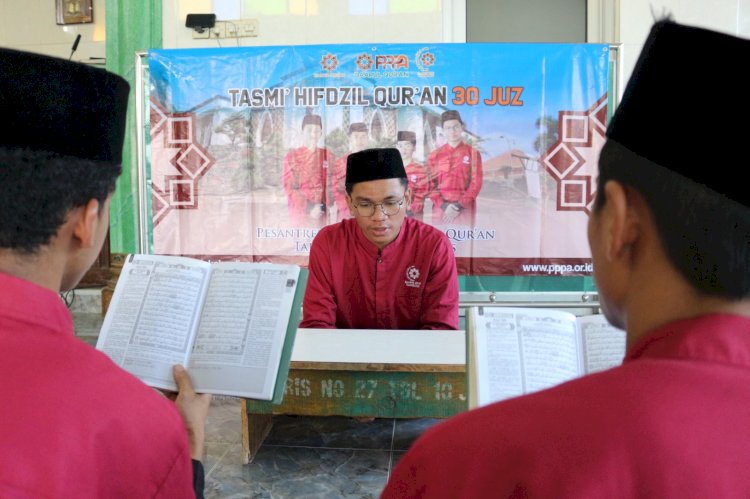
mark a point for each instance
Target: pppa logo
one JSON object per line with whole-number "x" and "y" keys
{"x": 364, "y": 62}
{"x": 329, "y": 62}
{"x": 425, "y": 59}
{"x": 412, "y": 274}
{"x": 391, "y": 62}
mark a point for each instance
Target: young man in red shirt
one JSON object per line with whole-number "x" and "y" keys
{"x": 670, "y": 241}
{"x": 380, "y": 269}
{"x": 74, "y": 424}
{"x": 305, "y": 175}
{"x": 456, "y": 170}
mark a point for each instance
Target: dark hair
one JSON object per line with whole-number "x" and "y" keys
{"x": 705, "y": 235}
{"x": 349, "y": 186}
{"x": 38, "y": 189}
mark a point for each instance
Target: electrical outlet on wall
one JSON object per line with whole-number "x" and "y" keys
{"x": 219, "y": 30}
{"x": 232, "y": 29}
{"x": 239, "y": 28}
{"x": 249, "y": 27}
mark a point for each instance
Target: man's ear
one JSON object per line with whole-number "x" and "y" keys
{"x": 88, "y": 221}
{"x": 624, "y": 229}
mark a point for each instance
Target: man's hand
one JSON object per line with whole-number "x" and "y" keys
{"x": 194, "y": 410}
{"x": 450, "y": 213}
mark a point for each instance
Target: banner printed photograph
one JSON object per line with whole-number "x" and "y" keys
{"x": 500, "y": 141}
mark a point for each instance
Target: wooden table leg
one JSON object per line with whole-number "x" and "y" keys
{"x": 255, "y": 429}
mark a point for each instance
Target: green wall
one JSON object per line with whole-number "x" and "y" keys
{"x": 132, "y": 26}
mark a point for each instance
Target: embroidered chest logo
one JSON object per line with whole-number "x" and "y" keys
{"x": 412, "y": 274}
{"x": 467, "y": 160}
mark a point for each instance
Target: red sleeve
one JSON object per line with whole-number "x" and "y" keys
{"x": 339, "y": 179}
{"x": 475, "y": 184}
{"x": 440, "y": 302}
{"x": 291, "y": 181}
{"x": 319, "y": 303}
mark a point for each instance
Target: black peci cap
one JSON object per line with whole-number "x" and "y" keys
{"x": 357, "y": 127}
{"x": 312, "y": 119}
{"x": 451, "y": 115}
{"x": 374, "y": 164}
{"x": 407, "y": 136}
{"x": 682, "y": 103}
{"x": 67, "y": 108}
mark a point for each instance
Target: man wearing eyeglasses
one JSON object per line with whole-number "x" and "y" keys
{"x": 380, "y": 269}
{"x": 457, "y": 172}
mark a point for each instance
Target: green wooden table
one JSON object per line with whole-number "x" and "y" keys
{"x": 316, "y": 387}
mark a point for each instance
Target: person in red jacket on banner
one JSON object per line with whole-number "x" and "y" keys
{"x": 358, "y": 138}
{"x": 670, "y": 242}
{"x": 380, "y": 269}
{"x": 74, "y": 424}
{"x": 305, "y": 175}
{"x": 456, "y": 169}
{"x": 416, "y": 173}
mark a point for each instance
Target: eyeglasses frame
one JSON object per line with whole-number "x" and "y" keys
{"x": 382, "y": 208}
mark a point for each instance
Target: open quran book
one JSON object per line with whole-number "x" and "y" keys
{"x": 514, "y": 351}
{"x": 232, "y": 324}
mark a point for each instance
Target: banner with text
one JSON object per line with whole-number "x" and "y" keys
{"x": 248, "y": 146}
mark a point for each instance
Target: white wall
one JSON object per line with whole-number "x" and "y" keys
{"x": 628, "y": 21}
{"x": 305, "y": 22}
{"x": 624, "y": 22}
{"x": 31, "y": 25}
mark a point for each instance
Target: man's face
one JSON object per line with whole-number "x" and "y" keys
{"x": 406, "y": 148}
{"x": 357, "y": 141}
{"x": 312, "y": 135}
{"x": 379, "y": 228}
{"x": 452, "y": 130}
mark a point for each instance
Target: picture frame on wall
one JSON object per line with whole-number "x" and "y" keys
{"x": 74, "y": 11}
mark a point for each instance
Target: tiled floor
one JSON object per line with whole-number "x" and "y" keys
{"x": 305, "y": 457}
{"x": 302, "y": 457}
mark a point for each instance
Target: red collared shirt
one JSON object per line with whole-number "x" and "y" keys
{"x": 457, "y": 174}
{"x": 73, "y": 424}
{"x": 411, "y": 284}
{"x": 419, "y": 183}
{"x": 339, "y": 187}
{"x": 304, "y": 177}
{"x": 672, "y": 421}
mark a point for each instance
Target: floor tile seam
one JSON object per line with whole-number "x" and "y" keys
{"x": 393, "y": 434}
{"x": 390, "y": 454}
{"x": 217, "y": 463}
{"x": 390, "y": 467}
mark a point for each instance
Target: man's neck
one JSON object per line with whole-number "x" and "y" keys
{"x": 39, "y": 268}
{"x": 673, "y": 300}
